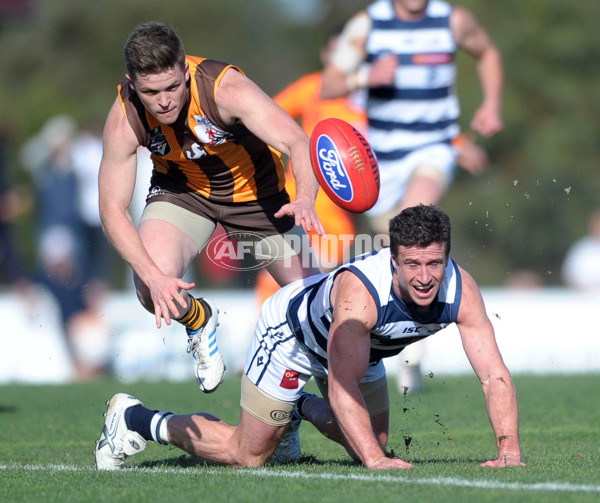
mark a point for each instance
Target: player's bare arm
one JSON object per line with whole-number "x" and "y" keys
{"x": 116, "y": 185}
{"x": 471, "y": 37}
{"x": 240, "y": 98}
{"x": 479, "y": 342}
{"x": 354, "y": 315}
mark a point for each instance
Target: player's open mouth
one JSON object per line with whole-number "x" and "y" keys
{"x": 423, "y": 290}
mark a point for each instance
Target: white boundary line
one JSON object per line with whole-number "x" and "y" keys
{"x": 370, "y": 477}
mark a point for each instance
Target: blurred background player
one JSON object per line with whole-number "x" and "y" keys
{"x": 402, "y": 52}
{"x": 301, "y": 100}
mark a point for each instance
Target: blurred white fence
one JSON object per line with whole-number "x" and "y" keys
{"x": 543, "y": 331}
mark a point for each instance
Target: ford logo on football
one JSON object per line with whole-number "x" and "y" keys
{"x": 332, "y": 168}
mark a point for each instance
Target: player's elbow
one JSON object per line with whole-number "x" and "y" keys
{"x": 499, "y": 379}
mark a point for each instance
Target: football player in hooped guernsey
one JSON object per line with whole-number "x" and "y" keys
{"x": 337, "y": 327}
{"x": 216, "y": 142}
{"x": 402, "y": 54}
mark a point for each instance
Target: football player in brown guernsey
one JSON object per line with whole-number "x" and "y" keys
{"x": 216, "y": 142}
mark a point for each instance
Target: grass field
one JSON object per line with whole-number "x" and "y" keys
{"x": 47, "y": 436}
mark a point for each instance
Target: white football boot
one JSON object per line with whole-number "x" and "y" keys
{"x": 116, "y": 441}
{"x": 202, "y": 344}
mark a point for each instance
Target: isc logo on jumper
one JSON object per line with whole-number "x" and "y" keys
{"x": 332, "y": 168}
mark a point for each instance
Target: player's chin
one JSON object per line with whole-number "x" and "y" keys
{"x": 169, "y": 117}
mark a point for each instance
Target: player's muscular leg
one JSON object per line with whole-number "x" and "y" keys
{"x": 426, "y": 186}
{"x": 170, "y": 249}
{"x": 251, "y": 443}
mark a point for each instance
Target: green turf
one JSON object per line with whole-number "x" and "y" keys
{"x": 47, "y": 435}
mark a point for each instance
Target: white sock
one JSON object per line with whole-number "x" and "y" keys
{"x": 158, "y": 427}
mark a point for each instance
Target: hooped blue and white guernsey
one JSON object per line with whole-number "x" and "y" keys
{"x": 309, "y": 312}
{"x": 421, "y": 108}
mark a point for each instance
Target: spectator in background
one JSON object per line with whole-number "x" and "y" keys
{"x": 86, "y": 154}
{"x": 581, "y": 267}
{"x": 60, "y": 272}
{"x": 52, "y": 157}
{"x": 301, "y": 100}
{"x": 48, "y": 158}
{"x": 402, "y": 52}
{"x": 90, "y": 334}
{"x": 86, "y": 333}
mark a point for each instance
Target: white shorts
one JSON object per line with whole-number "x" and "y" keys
{"x": 394, "y": 175}
{"x": 277, "y": 363}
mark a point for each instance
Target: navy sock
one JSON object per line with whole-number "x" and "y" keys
{"x": 138, "y": 418}
{"x": 298, "y": 413}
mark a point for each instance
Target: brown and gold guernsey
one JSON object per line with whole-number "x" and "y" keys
{"x": 224, "y": 163}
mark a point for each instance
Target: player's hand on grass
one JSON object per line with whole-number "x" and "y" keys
{"x": 385, "y": 463}
{"x": 503, "y": 462}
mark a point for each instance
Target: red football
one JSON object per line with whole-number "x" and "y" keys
{"x": 345, "y": 165}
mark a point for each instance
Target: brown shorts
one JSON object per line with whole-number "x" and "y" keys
{"x": 252, "y": 216}
{"x": 271, "y": 238}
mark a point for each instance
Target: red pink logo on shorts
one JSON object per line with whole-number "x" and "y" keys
{"x": 290, "y": 380}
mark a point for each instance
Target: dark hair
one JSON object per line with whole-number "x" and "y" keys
{"x": 420, "y": 226}
{"x": 153, "y": 48}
